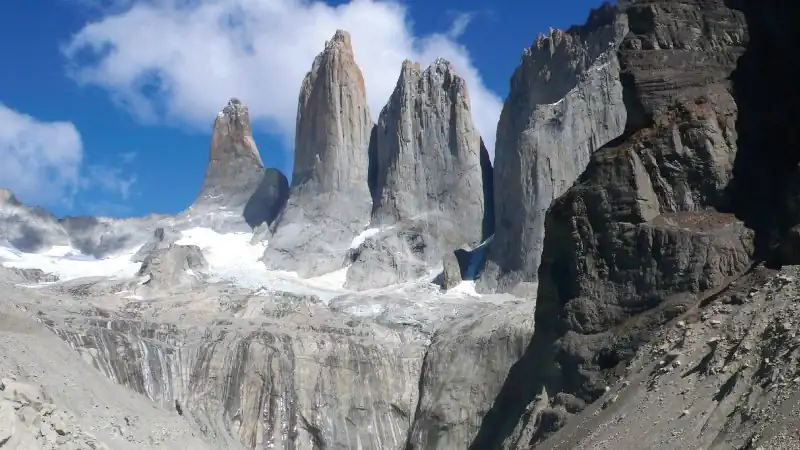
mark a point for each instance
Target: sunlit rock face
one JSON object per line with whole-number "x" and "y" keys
{"x": 329, "y": 202}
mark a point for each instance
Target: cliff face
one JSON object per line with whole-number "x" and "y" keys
{"x": 329, "y": 203}
{"x": 428, "y": 178}
{"x": 642, "y": 237}
{"x": 565, "y": 102}
{"x": 638, "y": 228}
{"x": 287, "y": 371}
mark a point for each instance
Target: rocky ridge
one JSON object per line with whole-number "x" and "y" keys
{"x": 564, "y": 103}
{"x": 428, "y": 179}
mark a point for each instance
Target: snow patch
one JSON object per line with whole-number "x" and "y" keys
{"x": 233, "y": 258}
{"x": 464, "y": 288}
{"x": 69, "y": 263}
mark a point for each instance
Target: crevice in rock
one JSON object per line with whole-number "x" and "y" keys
{"x": 420, "y": 392}
{"x": 487, "y": 173}
{"x": 372, "y": 168}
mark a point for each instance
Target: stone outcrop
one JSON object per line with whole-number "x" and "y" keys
{"x": 640, "y": 239}
{"x": 428, "y": 178}
{"x": 161, "y": 238}
{"x": 451, "y": 271}
{"x": 173, "y": 267}
{"x": 565, "y": 102}
{"x": 329, "y": 201}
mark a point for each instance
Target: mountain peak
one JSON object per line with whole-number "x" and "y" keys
{"x": 233, "y": 124}
{"x": 234, "y": 168}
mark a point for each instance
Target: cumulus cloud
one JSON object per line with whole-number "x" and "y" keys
{"x": 181, "y": 61}
{"x": 43, "y": 162}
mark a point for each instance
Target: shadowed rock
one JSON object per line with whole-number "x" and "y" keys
{"x": 268, "y": 200}
{"x": 637, "y": 240}
{"x": 329, "y": 202}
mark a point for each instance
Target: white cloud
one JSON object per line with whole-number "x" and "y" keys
{"x": 43, "y": 162}
{"x": 40, "y": 161}
{"x": 183, "y": 60}
{"x": 110, "y": 179}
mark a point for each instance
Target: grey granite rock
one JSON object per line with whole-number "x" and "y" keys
{"x": 451, "y": 271}
{"x": 173, "y": 267}
{"x": 389, "y": 257}
{"x": 285, "y": 371}
{"x": 428, "y": 172}
{"x": 234, "y": 168}
{"x": 329, "y": 202}
{"x": 565, "y": 102}
{"x": 161, "y": 238}
{"x": 237, "y": 191}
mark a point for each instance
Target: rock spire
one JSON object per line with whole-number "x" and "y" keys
{"x": 428, "y": 177}
{"x": 329, "y": 202}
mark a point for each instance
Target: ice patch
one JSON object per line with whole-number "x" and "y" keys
{"x": 358, "y": 240}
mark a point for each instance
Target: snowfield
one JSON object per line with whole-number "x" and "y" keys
{"x": 231, "y": 258}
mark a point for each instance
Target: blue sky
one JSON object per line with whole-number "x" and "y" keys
{"x": 106, "y": 106}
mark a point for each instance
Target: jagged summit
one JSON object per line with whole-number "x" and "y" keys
{"x": 340, "y": 40}
{"x": 428, "y": 178}
{"x": 233, "y": 121}
{"x": 327, "y": 154}
{"x": 565, "y": 101}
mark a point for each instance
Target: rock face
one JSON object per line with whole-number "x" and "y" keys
{"x": 174, "y": 266}
{"x": 235, "y": 179}
{"x": 329, "y": 202}
{"x": 639, "y": 239}
{"x": 565, "y": 102}
{"x": 268, "y": 200}
{"x": 234, "y": 168}
{"x": 428, "y": 177}
{"x": 161, "y": 238}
